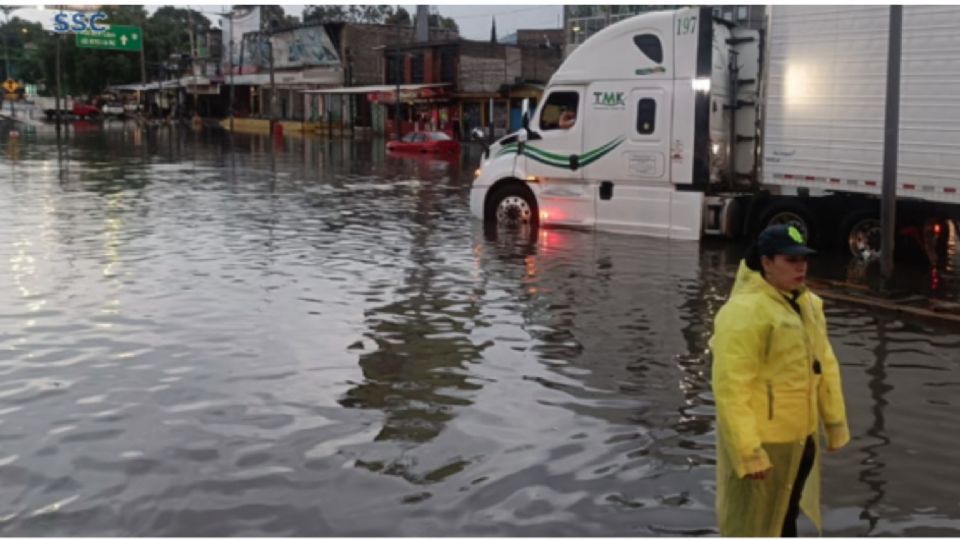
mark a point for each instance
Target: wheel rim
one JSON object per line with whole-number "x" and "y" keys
{"x": 791, "y": 219}
{"x": 514, "y": 211}
{"x": 865, "y": 238}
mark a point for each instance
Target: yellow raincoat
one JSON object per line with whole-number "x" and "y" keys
{"x": 769, "y": 399}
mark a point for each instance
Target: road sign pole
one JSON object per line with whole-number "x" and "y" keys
{"x": 57, "y": 70}
{"x": 232, "y": 104}
{"x": 143, "y": 75}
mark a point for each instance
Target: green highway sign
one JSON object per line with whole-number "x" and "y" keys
{"x": 118, "y": 38}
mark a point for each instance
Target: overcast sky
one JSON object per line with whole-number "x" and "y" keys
{"x": 474, "y": 20}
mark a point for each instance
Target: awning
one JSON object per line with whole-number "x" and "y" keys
{"x": 392, "y": 88}
{"x": 248, "y": 79}
{"x": 287, "y": 80}
{"x": 159, "y": 85}
{"x": 137, "y": 87}
{"x": 127, "y": 87}
{"x": 153, "y": 86}
{"x": 191, "y": 80}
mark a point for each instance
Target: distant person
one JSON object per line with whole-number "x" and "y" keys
{"x": 567, "y": 119}
{"x": 775, "y": 380}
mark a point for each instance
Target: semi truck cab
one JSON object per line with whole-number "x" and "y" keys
{"x": 630, "y": 132}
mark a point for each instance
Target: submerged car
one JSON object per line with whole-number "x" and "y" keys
{"x": 425, "y": 142}
{"x": 84, "y": 110}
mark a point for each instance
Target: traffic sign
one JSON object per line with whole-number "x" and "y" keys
{"x": 11, "y": 86}
{"x": 118, "y": 38}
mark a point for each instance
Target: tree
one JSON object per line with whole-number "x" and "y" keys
{"x": 90, "y": 71}
{"x": 7, "y": 10}
{"x": 272, "y": 17}
{"x": 322, "y": 14}
{"x": 401, "y": 17}
{"x": 18, "y": 39}
{"x": 439, "y": 21}
{"x": 166, "y": 33}
{"x": 367, "y": 14}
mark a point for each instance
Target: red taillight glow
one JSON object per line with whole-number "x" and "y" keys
{"x": 552, "y": 214}
{"x": 936, "y": 229}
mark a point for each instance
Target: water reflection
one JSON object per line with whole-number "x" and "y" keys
{"x": 873, "y": 467}
{"x": 417, "y": 373}
{"x": 610, "y": 329}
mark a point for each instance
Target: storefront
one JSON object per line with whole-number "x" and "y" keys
{"x": 422, "y": 106}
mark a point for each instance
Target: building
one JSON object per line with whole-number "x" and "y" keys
{"x": 472, "y": 84}
{"x": 304, "y": 58}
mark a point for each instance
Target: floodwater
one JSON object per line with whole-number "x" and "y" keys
{"x": 201, "y": 336}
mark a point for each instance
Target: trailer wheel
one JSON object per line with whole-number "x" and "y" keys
{"x": 862, "y": 235}
{"x": 789, "y": 213}
{"x": 513, "y": 206}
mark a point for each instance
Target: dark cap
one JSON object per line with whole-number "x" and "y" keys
{"x": 782, "y": 240}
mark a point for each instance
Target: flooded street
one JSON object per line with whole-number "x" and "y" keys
{"x": 199, "y": 336}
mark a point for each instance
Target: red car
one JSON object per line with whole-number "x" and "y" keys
{"x": 83, "y": 110}
{"x": 425, "y": 142}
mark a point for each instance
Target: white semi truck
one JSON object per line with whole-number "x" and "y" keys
{"x": 675, "y": 124}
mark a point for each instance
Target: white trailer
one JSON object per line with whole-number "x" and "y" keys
{"x": 675, "y": 124}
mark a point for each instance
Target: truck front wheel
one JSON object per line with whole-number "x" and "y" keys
{"x": 513, "y": 206}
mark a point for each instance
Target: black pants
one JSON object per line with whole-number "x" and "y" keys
{"x": 793, "y": 510}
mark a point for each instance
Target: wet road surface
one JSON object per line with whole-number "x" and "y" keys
{"x": 199, "y": 336}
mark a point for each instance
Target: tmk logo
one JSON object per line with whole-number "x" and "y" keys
{"x": 80, "y": 22}
{"x": 609, "y": 99}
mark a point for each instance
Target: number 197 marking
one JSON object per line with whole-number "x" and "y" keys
{"x": 686, "y": 25}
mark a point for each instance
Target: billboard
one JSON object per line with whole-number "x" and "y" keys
{"x": 302, "y": 47}
{"x": 298, "y": 48}
{"x": 246, "y": 19}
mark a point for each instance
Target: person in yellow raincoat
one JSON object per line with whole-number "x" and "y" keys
{"x": 775, "y": 381}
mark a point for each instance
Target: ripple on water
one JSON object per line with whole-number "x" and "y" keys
{"x": 212, "y": 335}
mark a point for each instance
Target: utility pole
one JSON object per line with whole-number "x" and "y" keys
{"x": 891, "y": 143}
{"x": 6, "y": 53}
{"x": 143, "y": 70}
{"x": 273, "y": 86}
{"x": 193, "y": 59}
{"x": 265, "y": 32}
{"x": 6, "y": 46}
{"x": 350, "y": 109}
{"x": 230, "y": 63}
{"x": 396, "y": 71}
